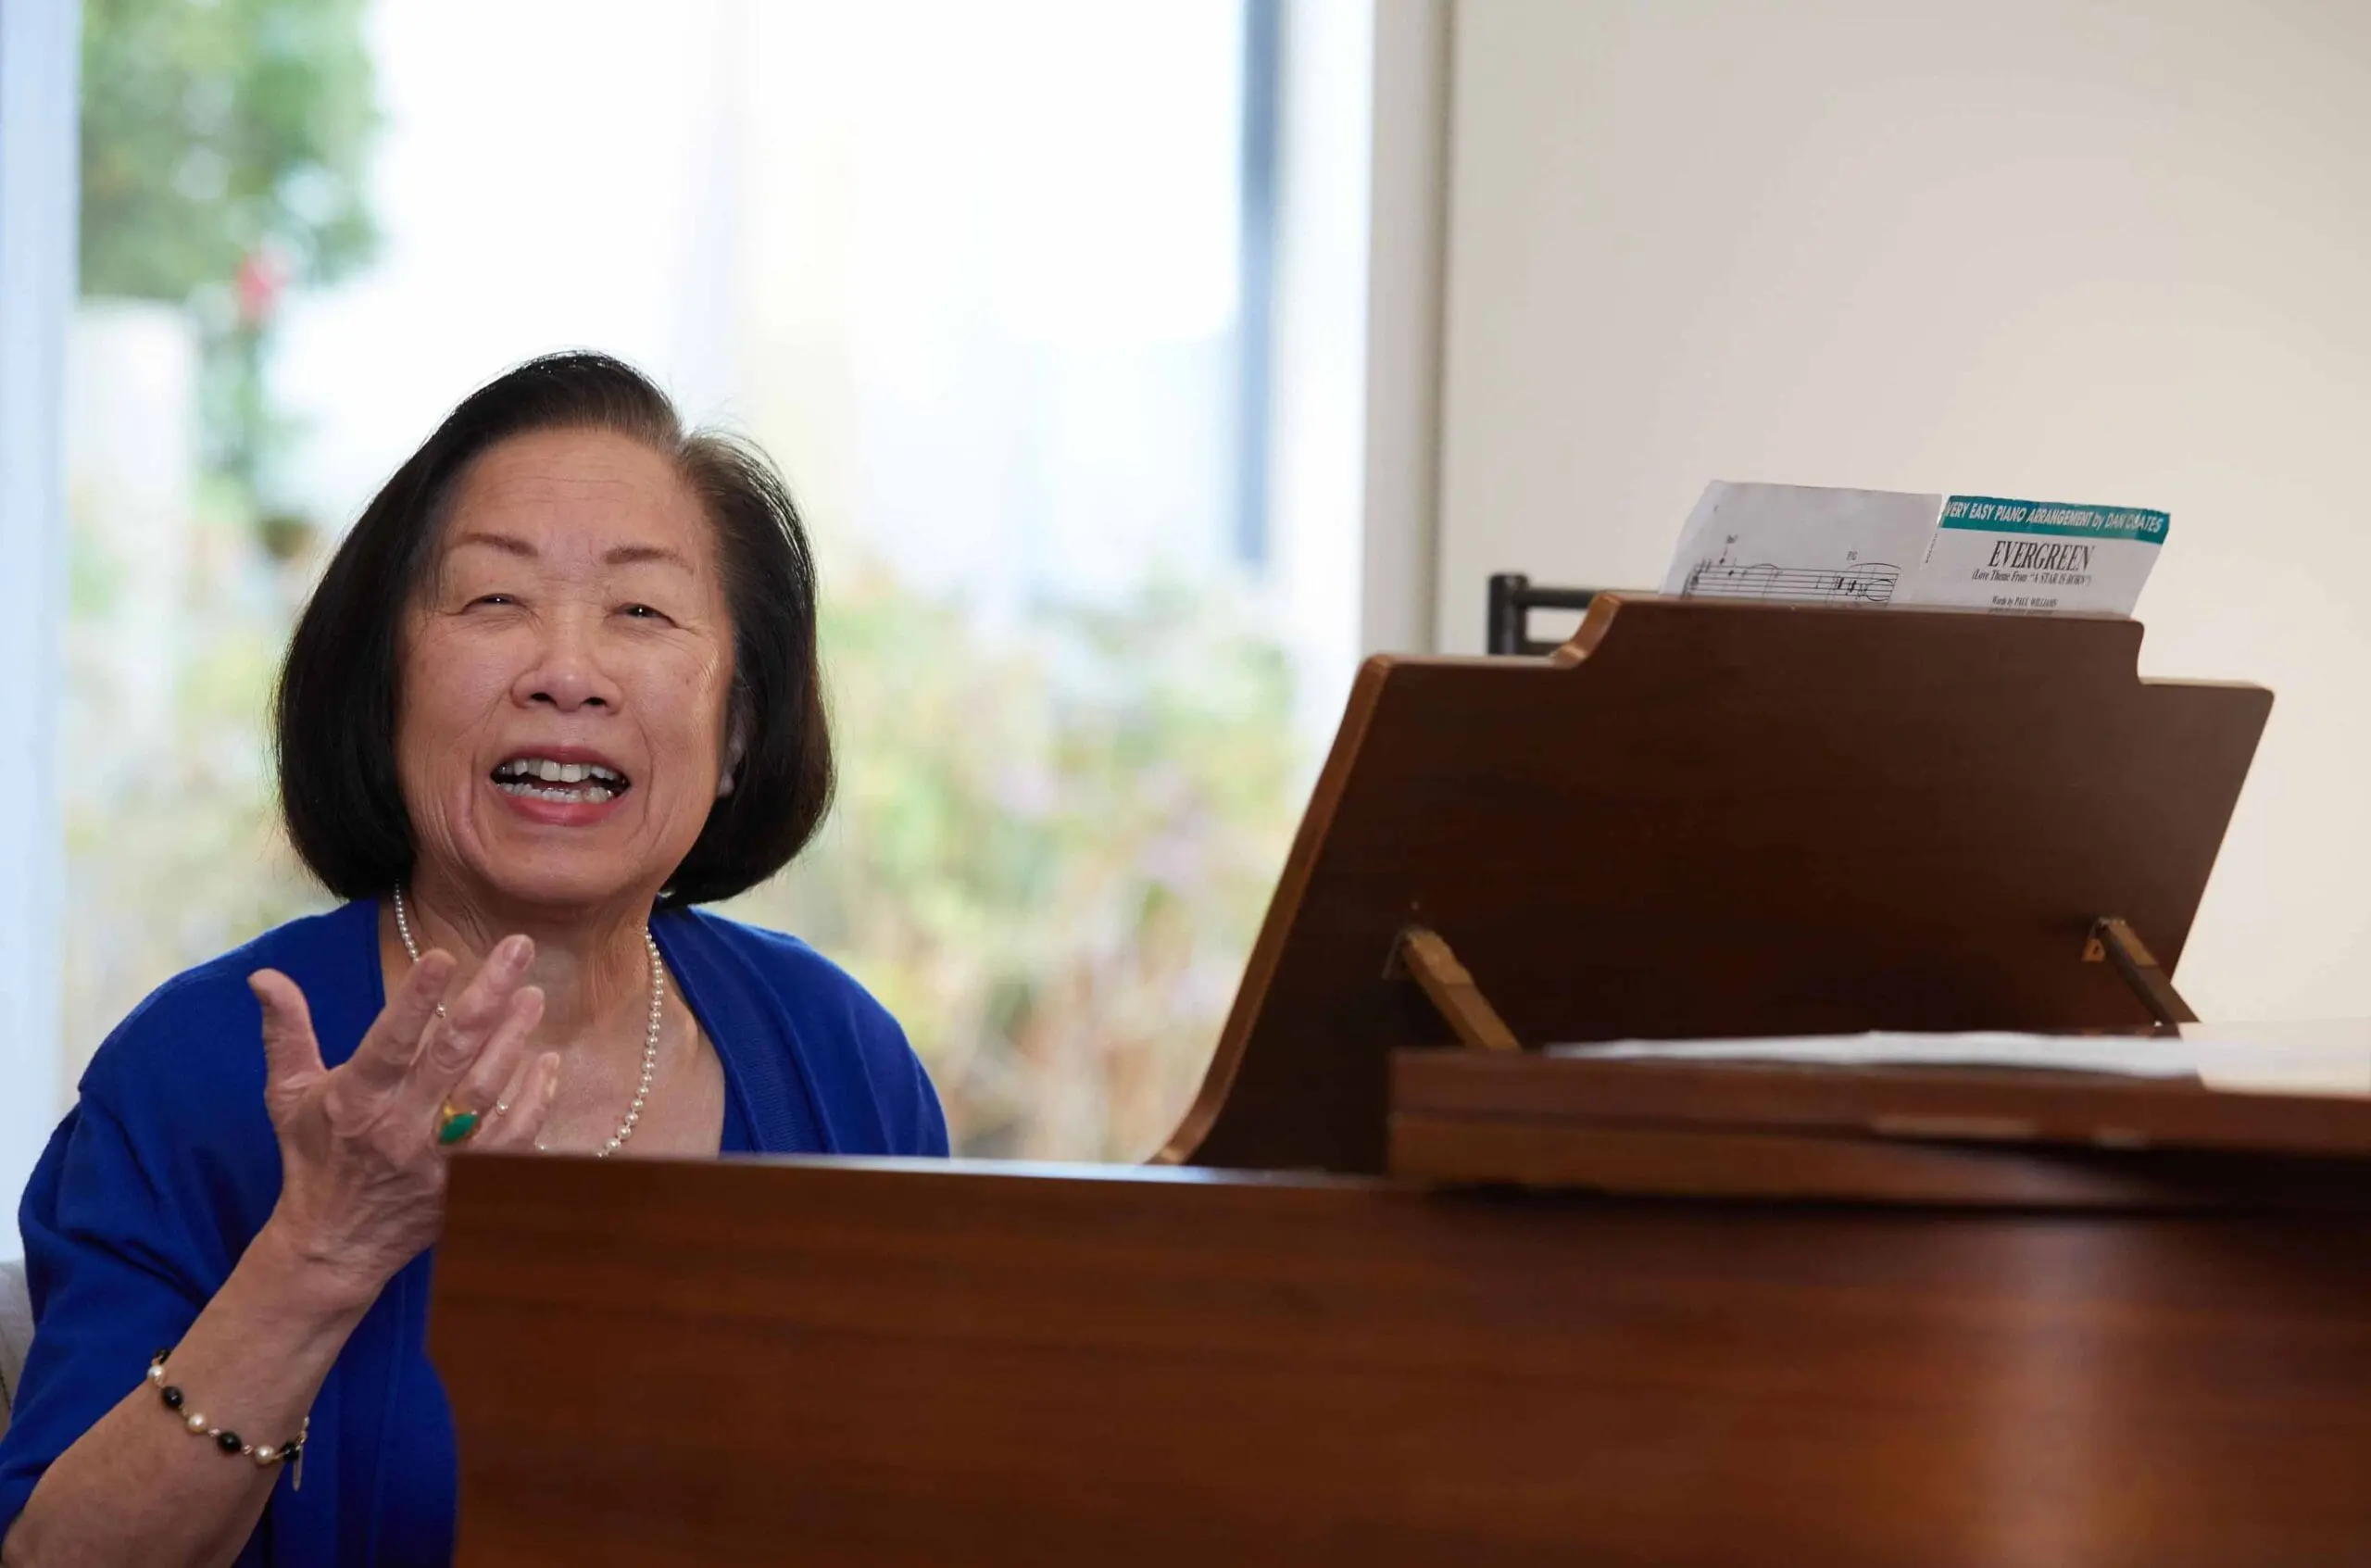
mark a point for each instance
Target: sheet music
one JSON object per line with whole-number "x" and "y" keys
{"x": 2133, "y": 1056}
{"x": 1724, "y": 580}
{"x": 2023, "y": 557}
{"x": 2318, "y": 1057}
{"x": 1800, "y": 543}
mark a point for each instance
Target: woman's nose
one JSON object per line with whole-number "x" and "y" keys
{"x": 566, "y": 673}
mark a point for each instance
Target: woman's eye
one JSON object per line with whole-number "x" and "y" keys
{"x": 492, "y": 599}
{"x": 641, "y": 612}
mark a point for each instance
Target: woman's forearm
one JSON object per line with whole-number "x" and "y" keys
{"x": 139, "y": 1487}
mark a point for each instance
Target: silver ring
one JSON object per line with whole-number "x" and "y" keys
{"x": 501, "y": 1107}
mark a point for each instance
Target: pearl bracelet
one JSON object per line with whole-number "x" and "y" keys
{"x": 291, "y": 1453}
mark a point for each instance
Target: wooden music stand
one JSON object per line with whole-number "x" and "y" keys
{"x": 1710, "y": 819}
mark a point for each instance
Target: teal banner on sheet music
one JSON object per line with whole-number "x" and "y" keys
{"x": 1801, "y": 544}
{"x": 1992, "y": 514}
{"x": 2023, "y": 557}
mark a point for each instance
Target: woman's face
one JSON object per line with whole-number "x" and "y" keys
{"x": 565, "y": 673}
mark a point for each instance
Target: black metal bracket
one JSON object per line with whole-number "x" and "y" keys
{"x": 1513, "y": 599}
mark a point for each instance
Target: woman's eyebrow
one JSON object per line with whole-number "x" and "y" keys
{"x": 636, "y": 554}
{"x": 619, "y": 555}
{"x": 508, "y": 543}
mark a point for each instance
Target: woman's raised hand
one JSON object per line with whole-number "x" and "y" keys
{"x": 363, "y": 1185}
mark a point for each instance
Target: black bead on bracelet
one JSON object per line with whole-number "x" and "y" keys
{"x": 291, "y": 1453}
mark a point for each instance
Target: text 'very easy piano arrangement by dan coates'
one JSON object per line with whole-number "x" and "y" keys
{"x": 1870, "y": 583}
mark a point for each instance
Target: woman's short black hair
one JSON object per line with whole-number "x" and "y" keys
{"x": 334, "y": 719}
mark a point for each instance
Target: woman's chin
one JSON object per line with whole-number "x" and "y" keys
{"x": 534, "y": 863}
{"x": 553, "y": 883}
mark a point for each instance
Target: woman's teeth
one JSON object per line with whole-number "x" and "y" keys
{"x": 539, "y": 778}
{"x": 573, "y": 793}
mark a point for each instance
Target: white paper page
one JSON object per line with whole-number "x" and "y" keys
{"x": 2287, "y": 1057}
{"x": 1801, "y": 544}
{"x": 2024, "y": 557}
{"x": 2141, "y": 1056}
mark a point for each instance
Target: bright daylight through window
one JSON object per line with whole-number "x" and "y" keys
{"x": 985, "y": 280}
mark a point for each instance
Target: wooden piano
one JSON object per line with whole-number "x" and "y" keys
{"x": 1407, "y": 1287}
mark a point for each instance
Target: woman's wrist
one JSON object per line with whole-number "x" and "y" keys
{"x": 307, "y": 1279}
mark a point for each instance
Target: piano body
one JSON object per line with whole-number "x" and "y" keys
{"x": 1398, "y": 1293}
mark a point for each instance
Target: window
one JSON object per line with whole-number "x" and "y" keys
{"x": 991, "y": 283}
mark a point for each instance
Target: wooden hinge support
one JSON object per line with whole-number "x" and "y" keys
{"x": 2114, "y": 941}
{"x": 1420, "y": 955}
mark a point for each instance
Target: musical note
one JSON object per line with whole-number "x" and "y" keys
{"x": 1795, "y": 543}
{"x": 1871, "y": 583}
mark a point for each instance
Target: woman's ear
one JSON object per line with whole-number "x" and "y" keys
{"x": 735, "y": 748}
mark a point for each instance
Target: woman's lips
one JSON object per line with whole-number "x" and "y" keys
{"x": 560, "y": 805}
{"x": 560, "y": 770}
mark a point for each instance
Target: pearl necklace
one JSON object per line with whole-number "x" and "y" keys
{"x": 649, "y": 1038}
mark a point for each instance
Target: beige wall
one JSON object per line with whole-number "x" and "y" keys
{"x": 2057, "y": 248}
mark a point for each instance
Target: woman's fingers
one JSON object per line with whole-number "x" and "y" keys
{"x": 414, "y": 1061}
{"x": 531, "y": 1098}
{"x": 385, "y": 1056}
{"x": 292, "y": 1057}
{"x": 471, "y": 1020}
{"x": 489, "y": 1077}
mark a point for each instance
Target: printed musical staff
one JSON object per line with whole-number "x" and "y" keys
{"x": 1861, "y": 583}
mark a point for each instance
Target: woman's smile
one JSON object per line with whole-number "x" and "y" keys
{"x": 562, "y": 786}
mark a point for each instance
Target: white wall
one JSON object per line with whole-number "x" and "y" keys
{"x": 1406, "y": 226}
{"x": 2068, "y": 249}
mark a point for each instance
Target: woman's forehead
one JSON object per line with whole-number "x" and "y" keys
{"x": 578, "y": 492}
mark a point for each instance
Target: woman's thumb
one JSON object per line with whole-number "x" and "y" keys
{"x": 292, "y": 1057}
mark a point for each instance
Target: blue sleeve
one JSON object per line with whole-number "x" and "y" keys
{"x": 888, "y": 1106}
{"x": 908, "y": 1117}
{"x": 117, "y": 1273}
{"x": 137, "y": 1211}
{"x": 824, "y": 1066}
{"x": 917, "y": 1123}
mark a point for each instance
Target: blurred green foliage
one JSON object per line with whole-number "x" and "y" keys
{"x": 174, "y": 852}
{"x": 1052, "y": 851}
{"x": 225, "y": 145}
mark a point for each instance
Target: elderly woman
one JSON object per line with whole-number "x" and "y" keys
{"x": 557, "y": 689}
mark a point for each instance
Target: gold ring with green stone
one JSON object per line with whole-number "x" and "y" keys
{"x": 454, "y": 1124}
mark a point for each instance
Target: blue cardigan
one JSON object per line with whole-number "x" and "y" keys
{"x": 166, "y": 1166}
